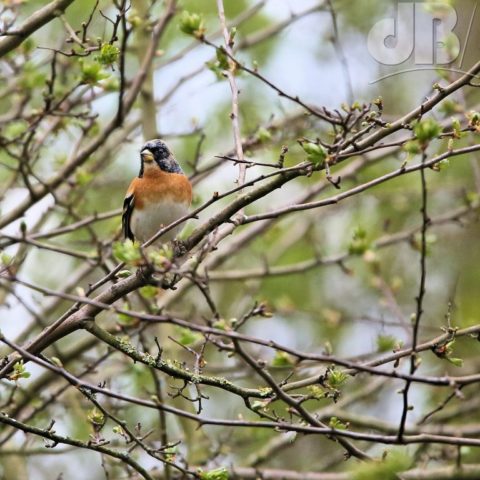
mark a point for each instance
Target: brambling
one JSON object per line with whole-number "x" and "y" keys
{"x": 159, "y": 195}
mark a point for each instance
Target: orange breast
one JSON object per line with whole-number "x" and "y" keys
{"x": 157, "y": 185}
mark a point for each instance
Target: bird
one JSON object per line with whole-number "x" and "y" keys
{"x": 157, "y": 197}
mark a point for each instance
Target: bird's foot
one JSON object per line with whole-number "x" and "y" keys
{"x": 179, "y": 248}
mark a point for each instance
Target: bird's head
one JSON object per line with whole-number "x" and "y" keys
{"x": 156, "y": 154}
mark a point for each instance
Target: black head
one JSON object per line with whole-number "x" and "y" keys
{"x": 158, "y": 152}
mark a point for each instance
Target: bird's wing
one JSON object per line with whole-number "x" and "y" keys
{"x": 128, "y": 204}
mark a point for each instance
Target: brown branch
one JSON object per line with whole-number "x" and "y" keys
{"x": 419, "y": 299}
{"x": 80, "y": 319}
{"x": 230, "y": 74}
{"x": 307, "y": 265}
{"x": 34, "y": 22}
{"x": 422, "y": 438}
{"x": 41, "y": 190}
{"x": 403, "y": 170}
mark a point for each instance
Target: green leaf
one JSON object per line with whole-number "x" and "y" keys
{"x": 359, "y": 244}
{"x": 159, "y": 258}
{"x": 127, "y": 251}
{"x": 449, "y": 107}
{"x": 442, "y": 165}
{"x": 217, "y": 474}
{"x": 337, "y": 424}
{"x": 187, "y": 336}
{"x": 134, "y": 18}
{"x": 263, "y": 135}
{"x": 457, "y": 128}
{"x": 378, "y": 102}
{"x": 386, "y": 343}
{"x": 357, "y": 106}
{"x": 221, "y": 324}
{"x": 412, "y": 147}
{"x": 57, "y": 361}
{"x": 15, "y": 129}
{"x": 445, "y": 351}
{"x": 430, "y": 241}
{"x": 427, "y": 130}
{"x": 317, "y": 392}
{"x": 96, "y": 417}
{"x": 5, "y": 258}
{"x": 92, "y": 73}
{"x": 192, "y": 24}
{"x": 213, "y": 66}
{"x": 260, "y": 404}
{"x": 316, "y": 154}
{"x": 19, "y": 372}
{"x": 472, "y": 198}
{"x": 170, "y": 453}
{"x": 123, "y": 274}
{"x": 108, "y": 54}
{"x": 282, "y": 359}
{"x": 126, "y": 320}
{"x": 222, "y": 59}
{"x": 473, "y": 119}
{"x": 220, "y": 65}
{"x": 458, "y": 362}
{"x": 111, "y": 84}
{"x": 149, "y": 291}
{"x": 335, "y": 378}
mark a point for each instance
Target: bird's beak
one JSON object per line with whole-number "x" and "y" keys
{"x": 147, "y": 156}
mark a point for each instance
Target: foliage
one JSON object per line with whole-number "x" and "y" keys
{"x": 19, "y": 372}
{"x": 192, "y": 24}
{"x": 321, "y": 296}
{"x": 388, "y": 469}
{"x": 108, "y": 54}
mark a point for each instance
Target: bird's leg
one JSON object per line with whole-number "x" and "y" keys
{"x": 179, "y": 249}
{"x": 145, "y": 271}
